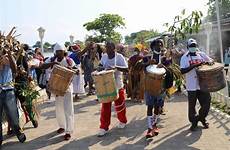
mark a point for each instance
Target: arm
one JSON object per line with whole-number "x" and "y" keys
{"x": 12, "y": 61}
{"x": 122, "y": 69}
{"x": 186, "y": 70}
{"x": 47, "y": 65}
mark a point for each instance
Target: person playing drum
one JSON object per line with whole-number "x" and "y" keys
{"x": 189, "y": 62}
{"x": 154, "y": 101}
{"x": 64, "y": 104}
{"x": 113, "y": 60}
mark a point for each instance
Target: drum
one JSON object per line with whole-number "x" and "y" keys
{"x": 211, "y": 77}
{"x": 60, "y": 79}
{"x": 105, "y": 85}
{"x": 154, "y": 80}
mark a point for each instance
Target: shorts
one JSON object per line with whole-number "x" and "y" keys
{"x": 154, "y": 100}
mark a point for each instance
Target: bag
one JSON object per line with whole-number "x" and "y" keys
{"x": 42, "y": 80}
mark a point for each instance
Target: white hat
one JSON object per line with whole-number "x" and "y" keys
{"x": 191, "y": 41}
{"x": 58, "y": 47}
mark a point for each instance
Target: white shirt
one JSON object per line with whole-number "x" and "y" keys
{"x": 118, "y": 61}
{"x": 192, "y": 83}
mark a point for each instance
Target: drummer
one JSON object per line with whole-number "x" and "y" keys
{"x": 155, "y": 102}
{"x": 64, "y": 104}
{"x": 189, "y": 62}
{"x": 113, "y": 60}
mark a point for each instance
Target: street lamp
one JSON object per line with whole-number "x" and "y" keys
{"x": 208, "y": 30}
{"x": 71, "y": 37}
{"x": 41, "y": 32}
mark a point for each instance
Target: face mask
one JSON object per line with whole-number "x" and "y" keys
{"x": 192, "y": 49}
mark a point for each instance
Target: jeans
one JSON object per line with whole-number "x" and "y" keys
{"x": 8, "y": 103}
{"x": 204, "y": 99}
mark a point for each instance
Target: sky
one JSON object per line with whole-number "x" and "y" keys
{"x": 62, "y": 18}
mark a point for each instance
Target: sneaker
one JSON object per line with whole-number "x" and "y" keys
{"x": 205, "y": 124}
{"x": 60, "y": 130}
{"x": 155, "y": 130}
{"x": 121, "y": 125}
{"x": 102, "y": 132}
{"x": 21, "y": 137}
{"x": 149, "y": 133}
{"x": 35, "y": 123}
{"x": 67, "y": 137}
{"x": 193, "y": 126}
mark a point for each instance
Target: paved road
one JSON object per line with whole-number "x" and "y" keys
{"x": 174, "y": 133}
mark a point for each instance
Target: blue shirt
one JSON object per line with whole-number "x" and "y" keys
{"x": 6, "y": 77}
{"x": 75, "y": 58}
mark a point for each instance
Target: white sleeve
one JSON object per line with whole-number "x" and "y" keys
{"x": 103, "y": 59}
{"x": 184, "y": 62}
{"x": 121, "y": 61}
{"x": 206, "y": 57}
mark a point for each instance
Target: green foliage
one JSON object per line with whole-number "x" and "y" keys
{"x": 29, "y": 93}
{"x": 104, "y": 28}
{"x": 141, "y": 36}
{"x": 223, "y": 7}
{"x": 47, "y": 45}
{"x": 37, "y": 44}
{"x": 221, "y": 106}
{"x": 67, "y": 43}
{"x": 185, "y": 24}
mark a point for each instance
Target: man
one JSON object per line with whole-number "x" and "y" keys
{"x": 113, "y": 60}
{"x": 135, "y": 76}
{"x": 64, "y": 104}
{"x": 189, "y": 62}
{"x": 8, "y": 69}
{"x": 153, "y": 102}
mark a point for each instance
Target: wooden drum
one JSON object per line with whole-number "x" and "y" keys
{"x": 154, "y": 80}
{"x": 105, "y": 85}
{"x": 211, "y": 77}
{"x": 60, "y": 79}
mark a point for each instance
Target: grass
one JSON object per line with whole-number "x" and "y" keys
{"x": 221, "y": 106}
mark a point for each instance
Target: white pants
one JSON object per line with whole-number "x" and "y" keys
{"x": 65, "y": 112}
{"x": 78, "y": 82}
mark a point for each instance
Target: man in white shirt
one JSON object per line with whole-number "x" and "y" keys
{"x": 189, "y": 62}
{"x": 64, "y": 104}
{"x": 114, "y": 60}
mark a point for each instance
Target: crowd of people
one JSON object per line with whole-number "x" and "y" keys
{"x": 130, "y": 76}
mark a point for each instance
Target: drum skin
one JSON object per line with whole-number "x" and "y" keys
{"x": 211, "y": 77}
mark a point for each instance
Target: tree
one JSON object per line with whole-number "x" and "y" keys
{"x": 141, "y": 36}
{"x": 47, "y": 45}
{"x": 224, "y": 10}
{"x": 185, "y": 24}
{"x": 37, "y": 44}
{"x": 104, "y": 28}
{"x": 67, "y": 43}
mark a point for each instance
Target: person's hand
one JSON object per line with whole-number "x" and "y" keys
{"x": 153, "y": 61}
{"x": 160, "y": 66}
{"x": 209, "y": 63}
{"x": 197, "y": 65}
{"x": 111, "y": 68}
{"x": 55, "y": 63}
